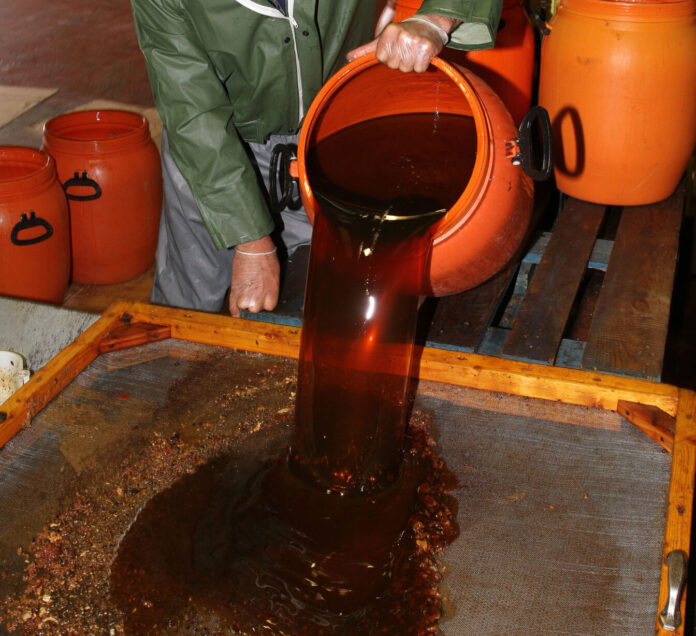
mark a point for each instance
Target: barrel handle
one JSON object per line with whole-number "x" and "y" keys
{"x": 85, "y": 181}
{"x": 279, "y": 172}
{"x": 541, "y": 25}
{"x": 520, "y": 149}
{"x": 28, "y": 223}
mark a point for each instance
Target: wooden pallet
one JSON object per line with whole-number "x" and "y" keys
{"x": 594, "y": 293}
{"x": 665, "y": 413}
{"x": 629, "y": 316}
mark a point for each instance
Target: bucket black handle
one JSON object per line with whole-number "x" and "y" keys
{"x": 83, "y": 181}
{"x": 28, "y": 223}
{"x": 538, "y": 22}
{"x": 525, "y": 154}
{"x": 279, "y": 172}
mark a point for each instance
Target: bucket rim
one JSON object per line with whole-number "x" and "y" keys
{"x": 58, "y": 132}
{"x": 44, "y": 169}
{"x": 466, "y": 202}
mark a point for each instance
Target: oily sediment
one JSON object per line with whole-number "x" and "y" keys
{"x": 225, "y": 401}
{"x": 68, "y": 567}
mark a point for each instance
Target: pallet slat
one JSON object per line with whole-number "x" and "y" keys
{"x": 540, "y": 323}
{"x": 629, "y": 327}
{"x": 460, "y": 321}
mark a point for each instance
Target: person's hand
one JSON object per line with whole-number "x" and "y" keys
{"x": 409, "y": 45}
{"x": 255, "y": 277}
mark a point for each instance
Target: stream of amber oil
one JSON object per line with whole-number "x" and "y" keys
{"x": 370, "y": 252}
{"x": 356, "y": 353}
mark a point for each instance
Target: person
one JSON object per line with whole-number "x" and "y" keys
{"x": 232, "y": 79}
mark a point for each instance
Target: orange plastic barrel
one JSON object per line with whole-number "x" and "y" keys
{"x": 508, "y": 67}
{"x": 34, "y": 227}
{"x": 484, "y": 228}
{"x": 619, "y": 82}
{"x": 110, "y": 170}
{"x": 405, "y": 9}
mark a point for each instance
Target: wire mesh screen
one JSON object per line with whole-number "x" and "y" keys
{"x": 561, "y": 526}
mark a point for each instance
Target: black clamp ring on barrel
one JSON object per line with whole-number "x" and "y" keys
{"x": 84, "y": 181}
{"x": 525, "y": 156}
{"x": 28, "y": 223}
{"x": 279, "y": 172}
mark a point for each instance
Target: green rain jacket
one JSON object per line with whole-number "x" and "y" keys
{"x": 223, "y": 71}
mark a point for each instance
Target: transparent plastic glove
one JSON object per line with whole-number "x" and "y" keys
{"x": 409, "y": 45}
{"x": 255, "y": 277}
{"x": 385, "y": 17}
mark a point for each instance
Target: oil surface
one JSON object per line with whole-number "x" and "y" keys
{"x": 243, "y": 544}
{"x": 413, "y": 163}
{"x": 337, "y": 534}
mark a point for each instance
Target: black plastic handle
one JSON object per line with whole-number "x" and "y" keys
{"x": 525, "y": 156}
{"x": 26, "y": 223}
{"x": 279, "y": 173}
{"x": 537, "y": 20}
{"x": 83, "y": 181}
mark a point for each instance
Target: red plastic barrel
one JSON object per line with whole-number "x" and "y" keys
{"x": 508, "y": 67}
{"x": 110, "y": 170}
{"x": 484, "y": 228}
{"x": 34, "y": 227}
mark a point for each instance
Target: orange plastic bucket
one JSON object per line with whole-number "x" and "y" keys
{"x": 508, "y": 67}
{"x": 110, "y": 170}
{"x": 34, "y": 227}
{"x": 619, "y": 82}
{"x": 482, "y": 231}
{"x": 405, "y": 9}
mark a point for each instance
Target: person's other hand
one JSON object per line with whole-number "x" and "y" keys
{"x": 255, "y": 277}
{"x": 410, "y": 45}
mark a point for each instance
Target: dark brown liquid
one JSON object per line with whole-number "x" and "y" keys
{"x": 321, "y": 540}
{"x": 412, "y": 163}
{"x": 370, "y": 252}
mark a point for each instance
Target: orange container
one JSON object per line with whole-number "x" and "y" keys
{"x": 405, "y": 9}
{"x": 508, "y": 67}
{"x": 619, "y": 82}
{"x": 110, "y": 170}
{"x": 34, "y": 227}
{"x": 484, "y": 228}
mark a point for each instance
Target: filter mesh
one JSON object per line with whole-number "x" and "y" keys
{"x": 561, "y": 525}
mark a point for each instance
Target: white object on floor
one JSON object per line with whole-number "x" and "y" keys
{"x": 13, "y": 375}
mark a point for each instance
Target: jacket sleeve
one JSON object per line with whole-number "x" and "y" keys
{"x": 480, "y": 21}
{"x": 197, "y": 114}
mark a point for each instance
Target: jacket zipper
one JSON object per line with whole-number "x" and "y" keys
{"x": 276, "y": 13}
{"x": 293, "y": 23}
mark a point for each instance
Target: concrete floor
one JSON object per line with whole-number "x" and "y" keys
{"x": 89, "y": 51}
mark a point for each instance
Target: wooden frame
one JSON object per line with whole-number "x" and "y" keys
{"x": 664, "y": 412}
